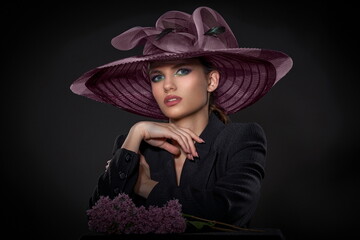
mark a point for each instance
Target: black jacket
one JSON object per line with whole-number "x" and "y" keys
{"x": 222, "y": 184}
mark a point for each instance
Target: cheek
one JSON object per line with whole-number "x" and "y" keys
{"x": 198, "y": 88}
{"x": 156, "y": 91}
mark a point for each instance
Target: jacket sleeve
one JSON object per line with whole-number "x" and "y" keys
{"x": 120, "y": 176}
{"x": 234, "y": 196}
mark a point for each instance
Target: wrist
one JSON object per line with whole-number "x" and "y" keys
{"x": 134, "y": 138}
{"x": 138, "y": 130}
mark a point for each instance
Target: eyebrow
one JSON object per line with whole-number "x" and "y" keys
{"x": 173, "y": 67}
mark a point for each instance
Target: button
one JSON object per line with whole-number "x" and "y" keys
{"x": 127, "y": 157}
{"x": 122, "y": 175}
{"x": 116, "y": 190}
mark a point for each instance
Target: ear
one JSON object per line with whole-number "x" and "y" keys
{"x": 213, "y": 80}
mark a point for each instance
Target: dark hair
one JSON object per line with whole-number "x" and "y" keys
{"x": 213, "y": 108}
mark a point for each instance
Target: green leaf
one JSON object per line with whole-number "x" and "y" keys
{"x": 200, "y": 225}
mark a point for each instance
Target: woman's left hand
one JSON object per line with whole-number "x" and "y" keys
{"x": 144, "y": 183}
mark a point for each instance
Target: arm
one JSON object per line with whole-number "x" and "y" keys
{"x": 234, "y": 196}
{"x": 122, "y": 173}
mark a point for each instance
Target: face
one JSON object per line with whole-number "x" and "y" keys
{"x": 181, "y": 88}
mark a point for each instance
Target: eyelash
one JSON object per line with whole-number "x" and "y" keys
{"x": 182, "y": 69}
{"x": 153, "y": 79}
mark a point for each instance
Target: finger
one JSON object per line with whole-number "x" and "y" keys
{"x": 194, "y": 138}
{"x": 193, "y": 135}
{"x": 170, "y": 132}
{"x": 185, "y": 138}
{"x": 170, "y": 148}
{"x": 190, "y": 142}
{"x": 189, "y": 156}
{"x": 177, "y": 137}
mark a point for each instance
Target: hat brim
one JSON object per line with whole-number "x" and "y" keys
{"x": 246, "y": 74}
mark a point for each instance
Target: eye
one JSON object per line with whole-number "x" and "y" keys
{"x": 157, "y": 78}
{"x": 183, "y": 71}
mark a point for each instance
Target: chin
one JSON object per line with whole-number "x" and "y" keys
{"x": 179, "y": 112}
{"x": 177, "y": 115}
{"x": 174, "y": 114}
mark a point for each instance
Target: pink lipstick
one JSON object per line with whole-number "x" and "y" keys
{"x": 172, "y": 100}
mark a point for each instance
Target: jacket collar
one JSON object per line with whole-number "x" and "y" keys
{"x": 212, "y": 129}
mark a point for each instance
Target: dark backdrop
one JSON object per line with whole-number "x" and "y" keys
{"x": 56, "y": 143}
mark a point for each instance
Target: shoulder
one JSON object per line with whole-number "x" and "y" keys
{"x": 243, "y": 129}
{"x": 241, "y": 132}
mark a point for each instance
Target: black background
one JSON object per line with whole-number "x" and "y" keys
{"x": 56, "y": 143}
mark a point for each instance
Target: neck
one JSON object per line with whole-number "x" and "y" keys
{"x": 195, "y": 122}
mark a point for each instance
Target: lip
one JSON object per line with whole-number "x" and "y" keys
{"x": 172, "y": 100}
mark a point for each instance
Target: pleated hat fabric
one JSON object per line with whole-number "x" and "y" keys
{"x": 246, "y": 74}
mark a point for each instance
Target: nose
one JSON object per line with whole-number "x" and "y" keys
{"x": 169, "y": 84}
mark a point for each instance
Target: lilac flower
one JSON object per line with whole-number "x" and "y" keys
{"x": 172, "y": 219}
{"x": 121, "y": 216}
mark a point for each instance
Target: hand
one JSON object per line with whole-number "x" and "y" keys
{"x": 157, "y": 134}
{"x": 144, "y": 184}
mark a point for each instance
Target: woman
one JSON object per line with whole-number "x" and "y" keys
{"x": 192, "y": 74}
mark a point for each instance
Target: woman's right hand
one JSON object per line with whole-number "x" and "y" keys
{"x": 157, "y": 134}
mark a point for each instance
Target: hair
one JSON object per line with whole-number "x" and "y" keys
{"x": 213, "y": 108}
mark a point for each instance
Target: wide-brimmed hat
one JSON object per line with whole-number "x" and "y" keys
{"x": 246, "y": 74}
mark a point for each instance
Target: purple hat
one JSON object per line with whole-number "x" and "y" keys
{"x": 246, "y": 74}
